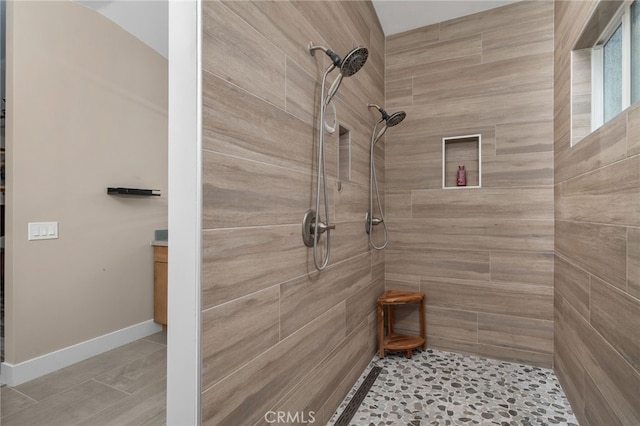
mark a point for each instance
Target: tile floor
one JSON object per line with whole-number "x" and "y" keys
{"x": 443, "y": 388}
{"x": 125, "y": 386}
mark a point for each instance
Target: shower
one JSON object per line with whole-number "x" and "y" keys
{"x": 312, "y": 224}
{"x": 370, "y": 219}
{"x": 351, "y": 64}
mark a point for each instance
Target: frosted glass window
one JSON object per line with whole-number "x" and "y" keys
{"x": 635, "y": 52}
{"x": 612, "y": 75}
{"x": 608, "y": 62}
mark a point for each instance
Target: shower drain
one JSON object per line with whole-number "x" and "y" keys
{"x": 353, "y": 405}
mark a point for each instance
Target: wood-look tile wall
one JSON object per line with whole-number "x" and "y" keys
{"x": 276, "y": 334}
{"x": 484, "y": 257}
{"x": 597, "y": 212}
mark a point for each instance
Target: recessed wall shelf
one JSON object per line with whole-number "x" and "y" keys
{"x": 462, "y": 151}
{"x": 134, "y": 191}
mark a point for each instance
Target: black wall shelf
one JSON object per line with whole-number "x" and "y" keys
{"x": 134, "y": 191}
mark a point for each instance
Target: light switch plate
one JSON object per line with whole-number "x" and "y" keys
{"x": 43, "y": 230}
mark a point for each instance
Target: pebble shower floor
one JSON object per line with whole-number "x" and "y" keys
{"x": 443, "y": 388}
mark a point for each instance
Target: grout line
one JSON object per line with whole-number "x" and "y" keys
{"x": 590, "y": 299}
{"x": 588, "y": 222}
{"x": 128, "y": 394}
{"x": 21, "y": 393}
{"x": 597, "y": 169}
{"x": 627, "y": 262}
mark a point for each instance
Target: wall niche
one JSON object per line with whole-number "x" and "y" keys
{"x": 462, "y": 152}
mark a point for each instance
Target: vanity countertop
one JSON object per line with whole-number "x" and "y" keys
{"x": 160, "y": 243}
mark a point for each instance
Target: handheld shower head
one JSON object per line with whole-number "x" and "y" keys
{"x": 390, "y": 120}
{"x": 351, "y": 64}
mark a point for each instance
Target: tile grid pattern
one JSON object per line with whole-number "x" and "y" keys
{"x": 125, "y": 386}
{"x": 483, "y": 257}
{"x": 444, "y": 388}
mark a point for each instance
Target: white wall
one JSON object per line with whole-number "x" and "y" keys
{"x": 87, "y": 109}
{"x": 146, "y": 19}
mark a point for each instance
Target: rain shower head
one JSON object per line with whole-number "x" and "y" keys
{"x": 396, "y": 118}
{"x": 391, "y": 120}
{"x": 354, "y": 61}
{"x": 351, "y": 64}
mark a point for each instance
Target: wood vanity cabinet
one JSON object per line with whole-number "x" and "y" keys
{"x": 160, "y": 258}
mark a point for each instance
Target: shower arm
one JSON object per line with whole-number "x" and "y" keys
{"x": 381, "y": 110}
{"x": 384, "y": 117}
{"x": 330, "y": 53}
{"x": 335, "y": 62}
{"x": 312, "y": 49}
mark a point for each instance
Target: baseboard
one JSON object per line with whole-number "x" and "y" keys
{"x": 16, "y": 374}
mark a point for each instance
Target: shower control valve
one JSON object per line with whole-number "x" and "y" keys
{"x": 322, "y": 227}
{"x": 371, "y": 221}
{"x": 309, "y": 227}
